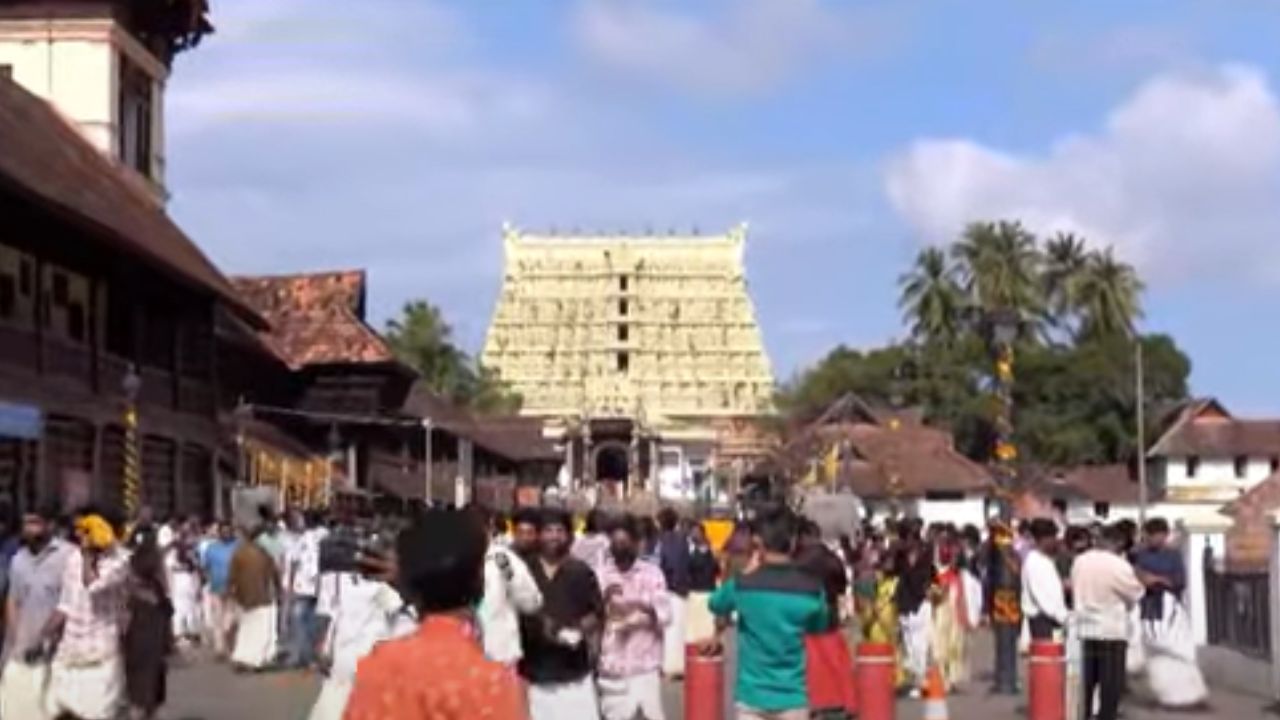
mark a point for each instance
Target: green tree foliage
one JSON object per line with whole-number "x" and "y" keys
{"x": 423, "y": 340}
{"x": 1074, "y": 397}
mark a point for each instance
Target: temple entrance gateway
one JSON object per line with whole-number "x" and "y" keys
{"x": 612, "y": 464}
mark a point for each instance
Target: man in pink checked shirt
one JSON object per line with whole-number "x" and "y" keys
{"x": 637, "y": 610}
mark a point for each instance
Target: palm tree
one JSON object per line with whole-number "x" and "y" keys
{"x": 931, "y": 300}
{"x": 422, "y": 339}
{"x": 998, "y": 265}
{"x": 1109, "y": 296}
{"x": 1065, "y": 258}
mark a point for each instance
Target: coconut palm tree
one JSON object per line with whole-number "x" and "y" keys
{"x": 1109, "y": 296}
{"x": 998, "y": 266}
{"x": 1065, "y": 259}
{"x": 931, "y": 300}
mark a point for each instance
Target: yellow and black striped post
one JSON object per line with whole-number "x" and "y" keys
{"x": 132, "y": 474}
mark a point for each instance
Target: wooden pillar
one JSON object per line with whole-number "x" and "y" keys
{"x": 179, "y": 462}
{"x": 589, "y": 469}
{"x": 635, "y": 481}
{"x": 219, "y": 509}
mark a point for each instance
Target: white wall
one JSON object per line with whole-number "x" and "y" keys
{"x": 1216, "y": 471}
{"x": 75, "y": 66}
{"x": 971, "y": 510}
{"x": 76, "y": 73}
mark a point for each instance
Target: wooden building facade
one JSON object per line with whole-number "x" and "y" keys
{"x": 104, "y": 303}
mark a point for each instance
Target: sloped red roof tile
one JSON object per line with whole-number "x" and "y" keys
{"x": 45, "y": 158}
{"x": 880, "y": 461}
{"x": 316, "y": 318}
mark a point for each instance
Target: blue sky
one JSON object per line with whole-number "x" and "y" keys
{"x": 397, "y": 136}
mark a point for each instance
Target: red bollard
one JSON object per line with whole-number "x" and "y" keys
{"x": 877, "y": 668}
{"x": 703, "y": 685}
{"x": 1047, "y": 681}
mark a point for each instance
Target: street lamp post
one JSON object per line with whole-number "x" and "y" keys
{"x": 131, "y": 385}
{"x": 1003, "y": 326}
{"x": 1140, "y": 398}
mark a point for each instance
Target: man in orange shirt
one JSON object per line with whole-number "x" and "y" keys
{"x": 438, "y": 672}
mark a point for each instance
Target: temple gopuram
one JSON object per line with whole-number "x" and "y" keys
{"x": 641, "y": 353}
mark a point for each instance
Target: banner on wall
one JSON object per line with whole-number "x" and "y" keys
{"x": 20, "y": 422}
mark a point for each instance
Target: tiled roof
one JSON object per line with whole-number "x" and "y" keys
{"x": 515, "y": 438}
{"x": 316, "y": 318}
{"x": 881, "y": 461}
{"x": 1204, "y": 427}
{"x": 1116, "y": 484}
{"x": 45, "y": 158}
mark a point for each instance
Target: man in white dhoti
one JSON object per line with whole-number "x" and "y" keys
{"x": 87, "y": 674}
{"x": 557, "y": 660}
{"x": 181, "y": 564}
{"x": 35, "y": 587}
{"x": 219, "y": 614}
{"x": 673, "y": 557}
{"x": 254, "y": 585}
{"x": 509, "y": 592}
{"x": 636, "y": 610}
{"x": 356, "y": 614}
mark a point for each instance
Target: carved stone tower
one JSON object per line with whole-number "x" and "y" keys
{"x": 635, "y": 346}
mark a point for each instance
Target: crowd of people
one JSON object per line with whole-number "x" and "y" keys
{"x": 544, "y": 615}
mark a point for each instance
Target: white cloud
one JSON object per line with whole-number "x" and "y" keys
{"x": 741, "y": 48}
{"x": 1182, "y": 178}
{"x": 444, "y": 104}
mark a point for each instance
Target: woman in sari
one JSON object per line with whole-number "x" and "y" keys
{"x": 878, "y": 615}
{"x": 953, "y": 619}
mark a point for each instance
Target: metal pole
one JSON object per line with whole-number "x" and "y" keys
{"x": 1141, "y": 393}
{"x": 427, "y": 472}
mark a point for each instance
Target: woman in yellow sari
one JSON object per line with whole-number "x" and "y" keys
{"x": 878, "y": 613}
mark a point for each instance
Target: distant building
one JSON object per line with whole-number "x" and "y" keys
{"x": 641, "y": 353}
{"x": 339, "y": 388}
{"x": 1207, "y": 457}
{"x": 893, "y": 462}
{"x": 106, "y": 306}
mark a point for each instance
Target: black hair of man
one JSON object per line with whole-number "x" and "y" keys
{"x": 1156, "y": 526}
{"x": 626, "y": 523}
{"x": 441, "y": 560}
{"x": 777, "y": 531}
{"x": 972, "y": 534}
{"x": 527, "y": 516}
{"x": 557, "y": 516}
{"x": 668, "y": 518}
{"x": 808, "y": 529}
{"x": 1043, "y": 529}
{"x": 1116, "y": 535}
{"x": 594, "y": 522}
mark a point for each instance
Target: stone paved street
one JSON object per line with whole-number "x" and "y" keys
{"x": 211, "y": 692}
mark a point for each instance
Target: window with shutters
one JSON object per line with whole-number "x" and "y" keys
{"x": 159, "y": 457}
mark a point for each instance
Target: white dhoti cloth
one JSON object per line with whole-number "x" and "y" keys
{"x": 629, "y": 698}
{"x": 256, "y": 638}
{"x": 332, "y": 701}
{"x": 1173, "y": 672}
{"x": 24, "y": 691}
{"x": 88, "y": 692}
{"x": 673, "y": 637}
{"x": 187, "y": 614}
{"x": 916, "y": 629}
{"x": 564, "y": 701}
{"x": 700, "y": 624}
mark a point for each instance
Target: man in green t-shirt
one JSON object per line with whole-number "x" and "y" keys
{"x": 776, "y": 605}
